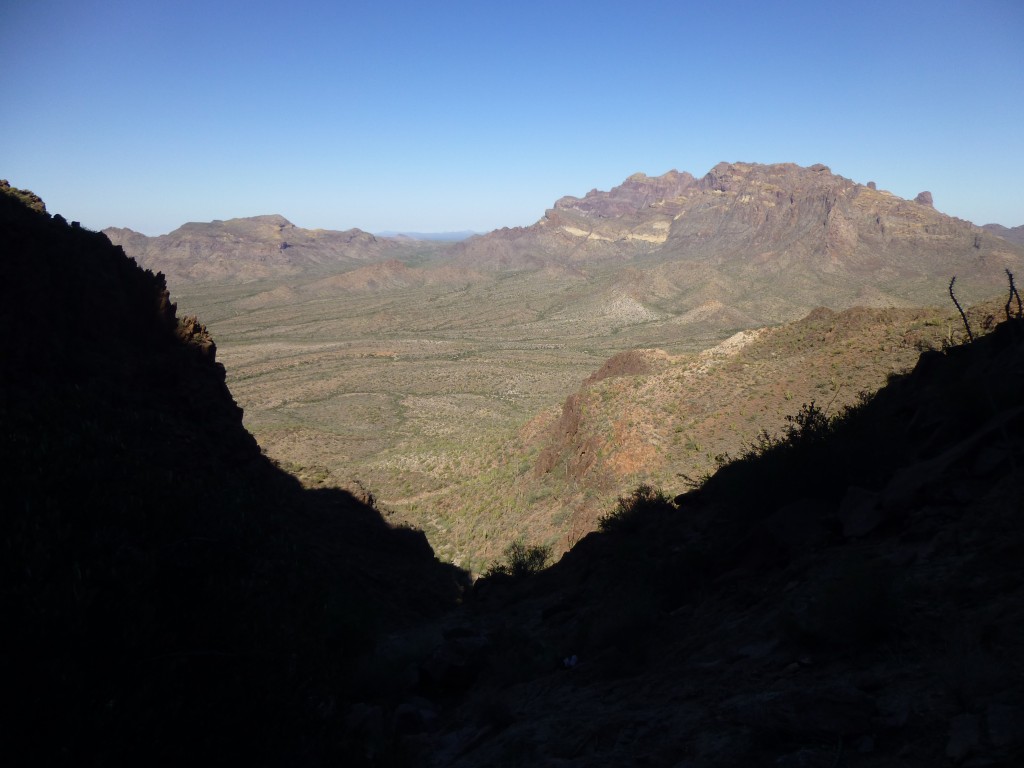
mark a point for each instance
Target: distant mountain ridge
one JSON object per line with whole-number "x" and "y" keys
{"x": 804, "y": 236}
{"x": 256, "y": 247}
{"x": 444, "y": 237}
{"x": 769, "y": 241}
{"x": 1013, "y": 234}
{"x": 770, "y": 216}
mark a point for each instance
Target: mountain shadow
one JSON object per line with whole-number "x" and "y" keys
{"x": 168, "y": 595}
{"x": 846, "y": 593}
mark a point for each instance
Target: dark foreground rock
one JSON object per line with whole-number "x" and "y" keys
{"x": 168, "y": 596}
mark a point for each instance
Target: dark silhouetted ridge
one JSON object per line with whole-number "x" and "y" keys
{"x": 847, "y": 593}
{"x": 168, "y": 595}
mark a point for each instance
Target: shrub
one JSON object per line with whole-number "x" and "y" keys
{"x": 630, "y": 511}
{"x": 809, "y": 425}
{"x": 520, "y": 559}
{"x": 801, "y": 463}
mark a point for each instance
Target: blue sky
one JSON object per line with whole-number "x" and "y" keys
{"x": 453, "y": 115}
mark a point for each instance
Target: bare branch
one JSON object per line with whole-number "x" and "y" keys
{"x": 1013, "y": 294}
{"x": 963, "y": 314}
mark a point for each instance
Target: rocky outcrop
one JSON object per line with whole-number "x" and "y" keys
{"x": 30, "y": 200}
{"x": 194, "y": 334}
{"x": 634, "y": 194}
{"x": 630, "y": 363}
{"x": 925, "y": 198}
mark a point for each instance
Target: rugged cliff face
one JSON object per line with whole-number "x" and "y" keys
{"x": 168, "y": 593}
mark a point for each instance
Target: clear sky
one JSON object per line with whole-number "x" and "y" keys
{"x": 450, "y": 114}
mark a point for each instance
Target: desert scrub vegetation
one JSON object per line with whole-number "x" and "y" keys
{"x": 802, "y": 462}
{"x": 520, "y": 559}
{"x": 809, "y": 426}
{"x": 819, "y": 456}
{"x": 630, "y": 511}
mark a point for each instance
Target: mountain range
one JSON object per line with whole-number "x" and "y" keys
{"x": 804, "y": 236}
{"x": 1013, "y": 234}
{"x": 774, "y": 215}
{"x": 449, "y": 237}
{"x": 795, "y": 232}
{"x": 257, "y": 247}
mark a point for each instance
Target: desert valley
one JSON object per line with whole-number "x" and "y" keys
{"x": 513, "y": 385}
{"x": 696, "y": 471}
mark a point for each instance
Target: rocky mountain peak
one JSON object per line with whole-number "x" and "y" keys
{"x": 274, "y": 219}
{"x": 731, "y": 177}
{"x": 800, "y": 225}
{"x": 925, "y": 198}
{"x": 636, "y": 192}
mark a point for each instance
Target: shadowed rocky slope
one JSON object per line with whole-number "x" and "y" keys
{"x": 168, "y": 595}
{"x": 850, "y": 595}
